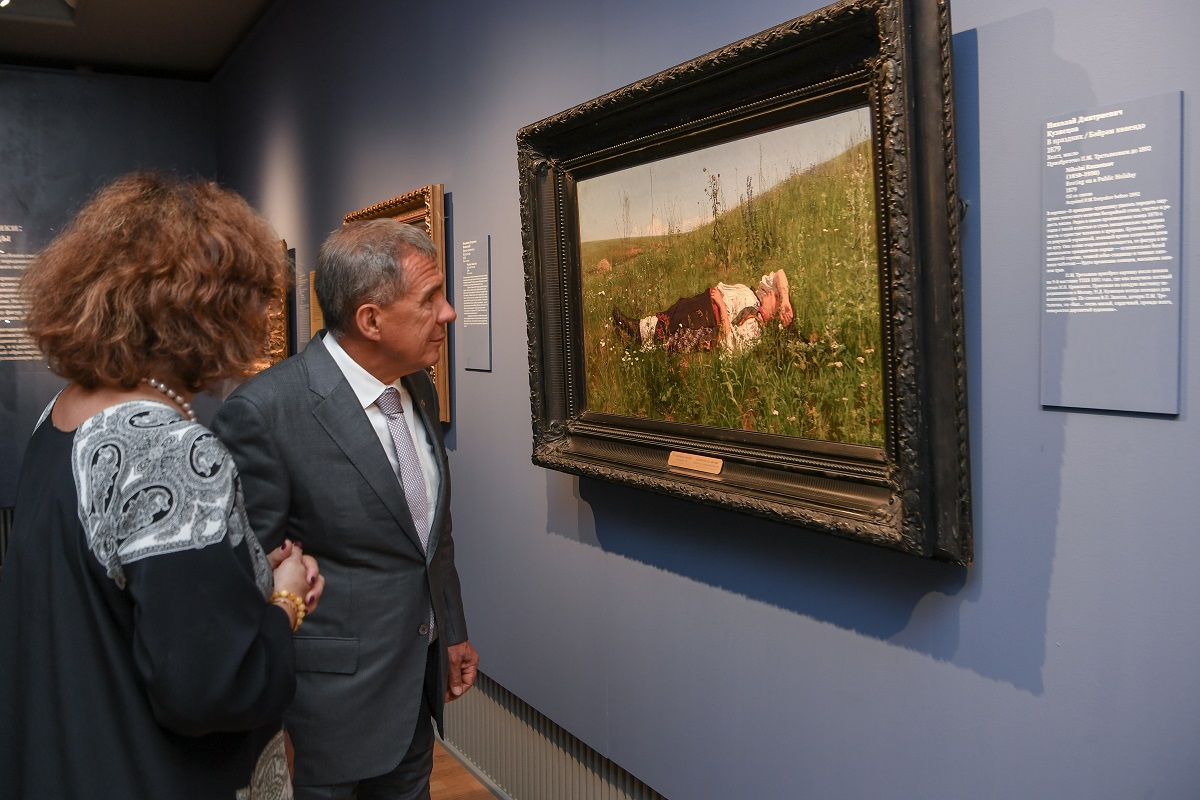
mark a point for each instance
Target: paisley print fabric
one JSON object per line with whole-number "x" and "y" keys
{"x": 150, "y": 482}
{"x": 271, "y": 780}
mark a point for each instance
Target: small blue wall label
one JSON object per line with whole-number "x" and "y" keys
{"x": 1111, "y": 193}
{"x": 475, "y": 304}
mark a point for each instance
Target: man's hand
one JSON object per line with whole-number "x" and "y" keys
{"x": 464, "y": 664}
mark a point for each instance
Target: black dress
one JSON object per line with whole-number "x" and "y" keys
{"x": 138, "y": 655}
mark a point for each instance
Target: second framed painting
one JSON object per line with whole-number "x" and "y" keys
{"x": 281, "y": 335}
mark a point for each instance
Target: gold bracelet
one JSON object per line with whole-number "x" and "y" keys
{"x": 295, "y": 600}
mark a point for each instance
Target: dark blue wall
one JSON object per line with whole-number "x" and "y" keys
{"x": 715, "y": 655}
{"x": 62, "y": 136}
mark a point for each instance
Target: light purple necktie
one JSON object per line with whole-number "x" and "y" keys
{"x": 410, "y": 465}
{"x": 410, "y": 472}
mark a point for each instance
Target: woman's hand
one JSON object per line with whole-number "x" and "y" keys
{"x": 276, "y": 556}
{"x": 298, "y": 574}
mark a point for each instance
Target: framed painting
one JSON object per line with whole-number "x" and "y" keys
{"x": 743, "y": 280}
{"x": 281, "y": 337}
{"x": 316, "y": 320}
{"x": 426, "y": 209}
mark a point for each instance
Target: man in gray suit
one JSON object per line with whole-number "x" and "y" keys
{"x": 339, "y": 448}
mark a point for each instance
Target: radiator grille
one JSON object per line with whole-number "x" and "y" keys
{"x": 527, "y": 755}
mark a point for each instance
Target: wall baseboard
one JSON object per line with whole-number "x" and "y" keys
{"x": 521, "y": 754}
{"x": 475, "y": 771}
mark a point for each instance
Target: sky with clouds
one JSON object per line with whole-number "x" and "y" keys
{"x": 674, "y": 190}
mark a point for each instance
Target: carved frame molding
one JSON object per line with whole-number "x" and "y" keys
{"x": 913, "y": 494}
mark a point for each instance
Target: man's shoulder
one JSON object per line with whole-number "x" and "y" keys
{"x": 288, "y": 375}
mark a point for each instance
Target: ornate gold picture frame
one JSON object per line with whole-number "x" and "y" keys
{"x": 425, "y": 208}
{"x": 281, "y": 337}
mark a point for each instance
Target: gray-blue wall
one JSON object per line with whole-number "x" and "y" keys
{"x": 715, "y": 655}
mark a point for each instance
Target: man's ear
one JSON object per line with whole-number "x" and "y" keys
{"x": 366, "y": 321}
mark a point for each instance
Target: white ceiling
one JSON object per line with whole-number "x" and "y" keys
{"x": 176, "y": 38}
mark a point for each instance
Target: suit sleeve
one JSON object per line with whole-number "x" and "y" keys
{"x": 240, "y": 424}
{"x": 454, "y": 627}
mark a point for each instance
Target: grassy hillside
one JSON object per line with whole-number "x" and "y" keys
{"x": 819, "y": 379}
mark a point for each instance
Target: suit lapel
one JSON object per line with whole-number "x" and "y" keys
{"x": 338, "y": 411}
{"x": 419, "y": 388}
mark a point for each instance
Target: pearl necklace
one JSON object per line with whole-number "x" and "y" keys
{"x": 174, "y": 395}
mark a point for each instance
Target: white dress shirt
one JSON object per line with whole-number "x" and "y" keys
{"x": 367, "y": 389}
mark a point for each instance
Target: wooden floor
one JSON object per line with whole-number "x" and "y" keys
{"x": 452, "y": 781}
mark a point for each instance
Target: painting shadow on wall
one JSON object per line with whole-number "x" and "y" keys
{"x": 855, "y": 586}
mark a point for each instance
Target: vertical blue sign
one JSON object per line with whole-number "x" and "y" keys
{"x": 1111, "y": 192}
{"x": 474, "y": 322}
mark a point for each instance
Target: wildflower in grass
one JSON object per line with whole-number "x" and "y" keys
{"x": 837, "y": 364}
{"x": 860, "y": 359}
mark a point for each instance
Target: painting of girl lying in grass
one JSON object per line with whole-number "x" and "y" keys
{"x": 737, "y": 286}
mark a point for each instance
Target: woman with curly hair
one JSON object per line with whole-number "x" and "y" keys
{"x": 146, "y": 636}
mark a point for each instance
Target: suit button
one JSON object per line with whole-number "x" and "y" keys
{"x": 423, "y": 630}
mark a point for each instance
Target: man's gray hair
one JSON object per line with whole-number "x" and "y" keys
{"x": 361, "y": 263}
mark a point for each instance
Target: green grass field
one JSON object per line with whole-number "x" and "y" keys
{"x": 819, "y": 379}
